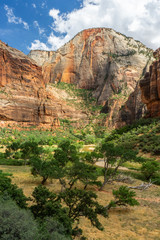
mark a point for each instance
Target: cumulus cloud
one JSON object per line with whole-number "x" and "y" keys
{"x": 38, "y": 45}
{"x": 40, "y": 30}
{"x": 136, "y": 18}
{"x": 13, "y": 19}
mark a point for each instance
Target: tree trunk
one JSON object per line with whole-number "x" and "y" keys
{"x": 44, "y": 180}
{"x": 63, "y": 184}
{"x": 105, "y": 174}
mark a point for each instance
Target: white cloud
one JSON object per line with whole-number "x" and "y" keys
{"x": 54, "y": 13}
{"x": 34, "y": 5}
{"x": 13, "y": 19}
{"x": 136, "y": 18}
{"x": 38, "y": 45}
{"x": 40, "y": 30}
{"x": 57, "y": 42}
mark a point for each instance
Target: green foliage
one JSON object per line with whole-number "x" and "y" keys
{"x": 16, "y": 223}
{"x": 47, "y": 204}
{"x": 149, "y": 169}
{"x": 71, "y": 165}
{"x": 83, "y": 203}
{"x": 45, "y": 169}
{"x": 114, "y": 156}
{"x": 51, "y": 229}
{"x": 142, "y": 136}
{"x": 11, "y": 190}
{"x": 10, "y": 161}
{"x": 88, "y": 102}
{"x": 24, "y": 150}
{"x": 83, "y": 172}
{"x": 89, "y": 139}
{"x": 66, "y": 152}
{"x": 77, "y": 203}
{"x": 123, "y": 197}
{"x": 118, "y": 55}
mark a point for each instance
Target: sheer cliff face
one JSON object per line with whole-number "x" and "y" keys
{"x": 23, "y": 96}
{"x": 41, "y": 56}
{"x": 100, "y": 59}
{"x": 150, "y": 87}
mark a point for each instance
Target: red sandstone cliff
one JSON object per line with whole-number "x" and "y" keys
{"x": 23, "y": 95}
{"x": 100, "y": 59}
{"x": 150, "y": 87}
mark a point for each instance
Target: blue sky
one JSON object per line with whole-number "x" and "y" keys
{"x": 31, "y": 12}
{"x": 48, "y": 24}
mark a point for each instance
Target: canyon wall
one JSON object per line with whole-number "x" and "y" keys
{"x": 23, "y": 95}
{"x": 150, "y": 87}
{"x": 101, "y": 60}
{"x": 107, "y": 62}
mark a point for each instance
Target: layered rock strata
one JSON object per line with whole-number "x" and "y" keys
{"x": 23, "y": 94}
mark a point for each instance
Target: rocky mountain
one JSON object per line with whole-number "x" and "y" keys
{"x": 150, "y": 87}
{"x": 24, "y": 97}
{"x": 102, "y": 60}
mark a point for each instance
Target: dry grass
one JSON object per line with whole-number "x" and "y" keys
{"x": 132, "y": 223}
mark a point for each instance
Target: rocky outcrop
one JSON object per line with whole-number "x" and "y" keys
{"x": 102, "y": 60}
{"x": 41, "y": 56}
{"x": 150, "y": 87}
{"x": 132, "y": 110}
{"x": 23, "y": 94}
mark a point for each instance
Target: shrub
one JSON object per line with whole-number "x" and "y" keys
{"x": 123, "y": 197}
{"x": 149, "y": 169}
{"x": 16, "y": 223}
{"x": 11, "y": 190}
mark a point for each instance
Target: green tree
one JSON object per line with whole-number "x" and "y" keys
{"x": 51, "y": 229}
{"x": 66, "y": 152}
{"x": 71, "y": 166}
{"x": 45, "y": 169}
{"x": 76, "y": 203}
{"x": 65, "y": 156}
{"x": 25, "y": 150}
{"x": 83, "y": 172}
{"x": 114, "y": 156}
{"x": 83, "y": 203}
{"x": 149, "y": 169}
{"x": 16, "y": 223}
{"x": 123, "y": 197}
{"x": 47, "y": 204}
{"x": 15, "y": 193}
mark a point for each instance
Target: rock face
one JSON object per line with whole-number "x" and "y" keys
{"x": 150, "y": 87}
{"x": 41, "y": 56}
{"x": 132, "y": 110}
{"x": 103, "y": 60}
{"x": 23, "y": 95}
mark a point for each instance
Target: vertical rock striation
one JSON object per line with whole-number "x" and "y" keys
{"x": 150, "y": 87}
{"x": 107, "y": 62}
{"x": 23, "y": 94}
